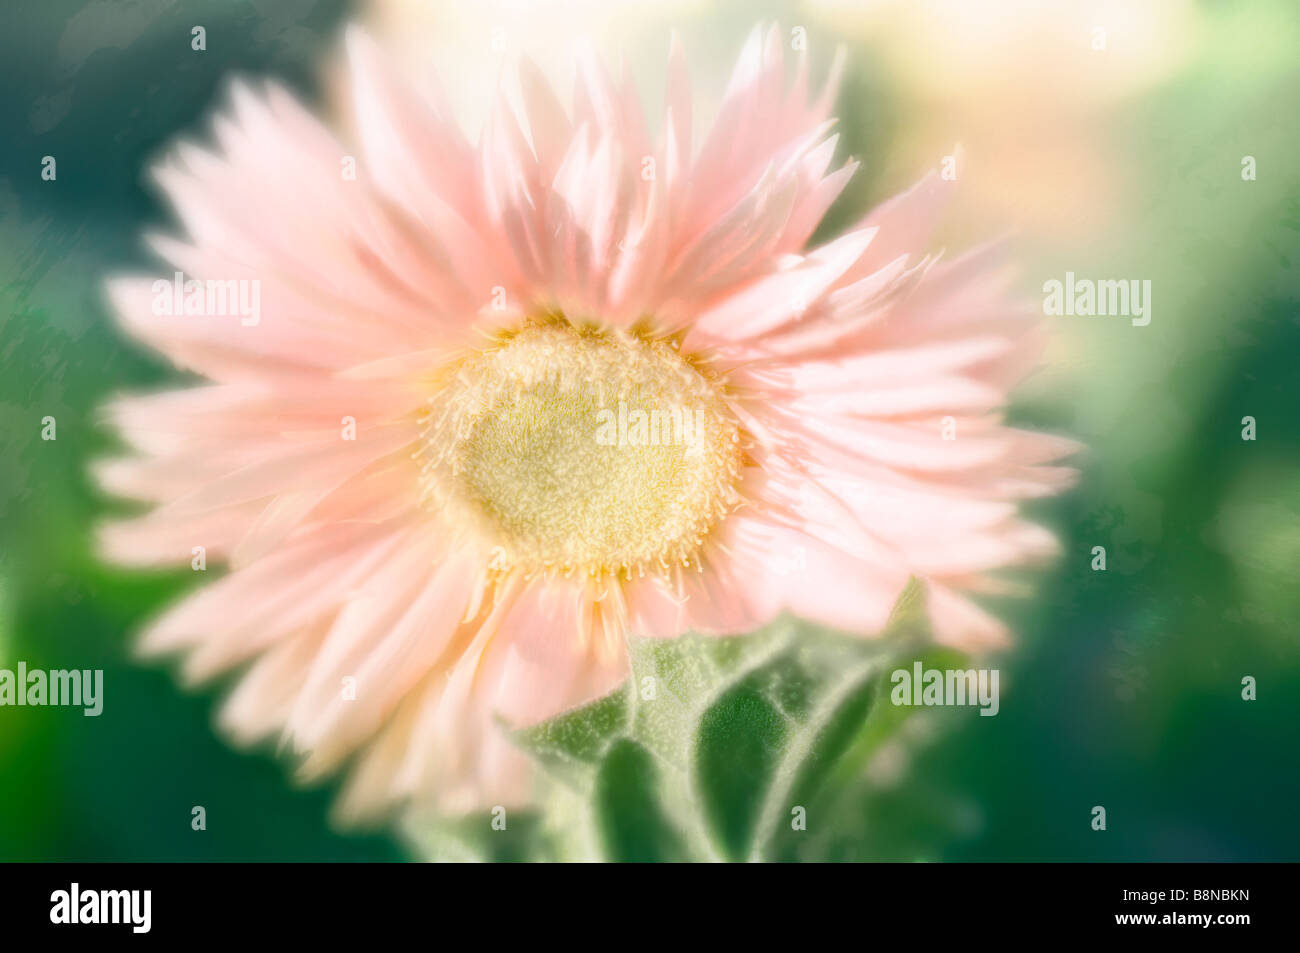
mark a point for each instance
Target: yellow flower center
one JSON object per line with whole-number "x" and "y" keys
{"x": 578, "y": 450}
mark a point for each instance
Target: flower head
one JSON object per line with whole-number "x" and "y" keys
{"x": 504, "y": 404}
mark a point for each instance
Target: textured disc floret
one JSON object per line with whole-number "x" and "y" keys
{"x": 580, "y": 450}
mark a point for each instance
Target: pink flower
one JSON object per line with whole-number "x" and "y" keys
{"x": 497, "y": 407}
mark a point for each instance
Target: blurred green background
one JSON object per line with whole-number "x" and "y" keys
{"x": 1125, "y": 686}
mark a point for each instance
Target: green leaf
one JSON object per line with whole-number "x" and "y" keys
{"x": 632, "y": 823}
{"x": 747, "y": 748}
{"x": 474, "y": 839}
{"x": 571, "y": 746}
